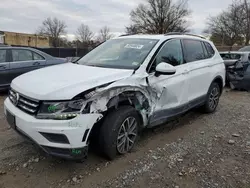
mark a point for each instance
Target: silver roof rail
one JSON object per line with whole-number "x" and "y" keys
{"x": 189, "y": 34}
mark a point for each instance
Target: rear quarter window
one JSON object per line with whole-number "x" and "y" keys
{"x": 210, "y": 49}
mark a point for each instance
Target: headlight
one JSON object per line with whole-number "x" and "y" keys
{"x": 62, "y": 110}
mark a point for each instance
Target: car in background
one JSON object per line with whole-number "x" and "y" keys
{"x": 15, "y": 61}
{"x": 237, "y": 69}
{"x": 245, "y": 49}
{"x": 230, "y": 58}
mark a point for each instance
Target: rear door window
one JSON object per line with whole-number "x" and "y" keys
{"x": 193, "y": 50}
{"x": 3, "y": 56}
{"x": 21, "y": 55}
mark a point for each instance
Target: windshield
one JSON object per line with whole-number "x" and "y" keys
{"x": 126, "y": 53}
{"x": 245, "y": 49}
{"x": 230, "y": 56}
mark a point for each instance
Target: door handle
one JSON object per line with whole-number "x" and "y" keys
{"x": 36, "y": 63}
{"x": 3, "y": 66}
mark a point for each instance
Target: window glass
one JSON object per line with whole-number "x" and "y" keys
{"x": 193, "y": 50}
{"x": 21, "y": 55}
{"x": 121, "y": 53}
{"x": 37, "y": 56}
{"x": 2, "y": 56}
{"x": 230, "y": 56}
{"x": 170, "y": 53}
{"x": 210, "y": 50}
{"x": 205, "y": 51}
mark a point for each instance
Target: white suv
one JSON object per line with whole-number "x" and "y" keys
{"x": 122, "y": 86}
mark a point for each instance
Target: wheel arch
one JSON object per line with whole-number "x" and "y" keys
{"x": 219, "y": 81}
{"x": 131, "y": 97}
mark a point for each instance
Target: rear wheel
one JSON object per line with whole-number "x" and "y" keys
{"x": 212, "y": 99}
{"x": 119, "y": 131}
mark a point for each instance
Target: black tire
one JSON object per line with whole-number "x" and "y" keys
{"x": 113, "y": 126}
{"x": 212, "y": 99}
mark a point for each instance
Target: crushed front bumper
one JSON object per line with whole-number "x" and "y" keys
{"x": 61, "y": 138}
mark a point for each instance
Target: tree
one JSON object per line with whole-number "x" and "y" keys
{"x": 131, "y": 30}
{"x": 246, "y": 12}
{"x": 104, "y": 34}
{"x": 53, "y": 28}
{"x": 84, "y": 34}
{"x": 160, "y": 16}
{"x": 232, "y": 25}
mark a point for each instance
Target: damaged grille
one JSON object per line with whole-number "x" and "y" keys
{"x": 24, "y": 103}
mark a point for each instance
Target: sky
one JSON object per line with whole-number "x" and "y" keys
{"x": 27, "y": 15}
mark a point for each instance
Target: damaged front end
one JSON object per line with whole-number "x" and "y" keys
{"x": 136, "y": 93}
{"x": 238, "y": 76}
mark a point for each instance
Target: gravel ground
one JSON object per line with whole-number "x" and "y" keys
{"x": 196, "y": 150}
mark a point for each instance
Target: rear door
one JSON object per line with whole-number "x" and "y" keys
{"x": 200, "y": 77}
{"x": 24, "y": 60}
{"x": 4, "y": 67}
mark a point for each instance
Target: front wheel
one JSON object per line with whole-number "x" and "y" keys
{"x": 212, "y": 99}
{"x": 119, "y": 131}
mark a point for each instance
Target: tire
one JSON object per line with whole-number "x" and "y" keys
{"x": 212, "y": 99}
{"x": 116, "y": 124}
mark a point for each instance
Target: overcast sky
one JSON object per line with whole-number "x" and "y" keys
{"x": 27, "y": 15}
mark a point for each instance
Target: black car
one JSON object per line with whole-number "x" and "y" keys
{"x": 237, "y": 69}
{"x": 15, "y": 61}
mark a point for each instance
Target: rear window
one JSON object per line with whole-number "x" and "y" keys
{"x": 230, "y": 56}
{"x": 210, "y": 49}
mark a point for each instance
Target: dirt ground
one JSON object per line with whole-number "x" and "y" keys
{"x": 196, "y": 150}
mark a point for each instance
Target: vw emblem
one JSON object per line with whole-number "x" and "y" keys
{"x": 16, "y": 99}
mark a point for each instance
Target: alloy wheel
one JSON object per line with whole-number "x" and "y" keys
{"x": 214, "y": 98}
{"x": 127, "y": 135}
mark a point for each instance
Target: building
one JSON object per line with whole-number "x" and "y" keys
{"x": 23, "y": 39}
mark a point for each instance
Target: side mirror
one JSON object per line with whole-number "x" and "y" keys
{"x": 165, "y": 69}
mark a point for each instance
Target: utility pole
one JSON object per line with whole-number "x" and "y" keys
{"x": 248, "y": 23}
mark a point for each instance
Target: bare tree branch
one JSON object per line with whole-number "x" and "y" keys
{"x": 160, "y": 16}
{"x": 232, "y": 25}
{"x": 84, "y": 34}
{"x": 104, "y": 34}
{"x": 53, "y": 28}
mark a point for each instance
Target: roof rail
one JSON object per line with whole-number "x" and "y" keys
{"x": 179, "y": 33}
{"x": 123, "y": 35}
{"x": 174, "y": 33}
{"x": 194, "y": 35}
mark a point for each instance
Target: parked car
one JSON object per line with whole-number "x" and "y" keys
{"x": 116, "y": 90}
{"x": 245, "y": 49}
{"x": 15, "y": 61}
{"x": 237, "y": 69}
{"x": 231, "y": 57}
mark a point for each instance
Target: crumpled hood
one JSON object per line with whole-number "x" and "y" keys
{"x": 63, "y": 82}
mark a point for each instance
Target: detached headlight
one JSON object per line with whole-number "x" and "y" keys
{"x": 62, "y": 110}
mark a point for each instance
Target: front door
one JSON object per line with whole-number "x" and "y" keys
{"x": 4, "y": 68}
{"x": 172, "y": 97}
